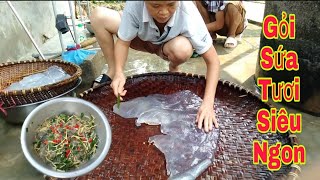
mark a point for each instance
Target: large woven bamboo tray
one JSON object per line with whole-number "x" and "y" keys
{"x": 15, "y": 71}
{"x": 131, "y": 157}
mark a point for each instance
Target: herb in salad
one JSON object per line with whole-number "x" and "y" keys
{"x": 66, "y": 142}
{"x": 118, "y": 101}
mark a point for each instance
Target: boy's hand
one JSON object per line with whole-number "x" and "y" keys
{"x": 206, "y": 117}
{"x": 117, "y": 85}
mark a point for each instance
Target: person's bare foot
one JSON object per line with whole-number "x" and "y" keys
{"x": 213, "y": 36}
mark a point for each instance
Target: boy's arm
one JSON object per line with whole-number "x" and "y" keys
{"x": 121, "y": 50}
{"x": 120, "y": 58}
{"x": 218, "y": 23}
{"x": 206, "y": 112}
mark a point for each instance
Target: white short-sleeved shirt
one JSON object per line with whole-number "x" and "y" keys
{"x": 186, "y": 21}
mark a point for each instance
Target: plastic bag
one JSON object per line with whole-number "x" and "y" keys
{"x": 77, "y": 56}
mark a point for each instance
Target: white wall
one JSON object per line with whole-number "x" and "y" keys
{"x": 39, "y": 19}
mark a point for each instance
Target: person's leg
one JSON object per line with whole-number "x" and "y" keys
{"x": 209, "y": 19}
{"x": 203, "y": 11}
{"x": 178, "y": 50}
{"x": 234, "y": 23}
{"x": 105, "y": 22}
{"x": 233, "y": 20}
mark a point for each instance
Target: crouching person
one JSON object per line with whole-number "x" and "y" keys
{"x": 170, "y": 29}
{"x": 225, "y": 18}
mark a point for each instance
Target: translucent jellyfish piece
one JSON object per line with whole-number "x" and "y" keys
{"x": 52, "y": 75}
{"x": 155, "y": 116}
{"x": 56, "y": 73}
{"x": 183, "y": 144}
{"x": 14, "y": 86}
{"x": 35, "y": 81}
{"x": 181, "y": 154}
{"x": 171, "y": 147}
{"x": 134, "y": 107}
{"x": 32, "y": 79}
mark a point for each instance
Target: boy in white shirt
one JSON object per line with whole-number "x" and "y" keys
{"x": 169, "y": 29}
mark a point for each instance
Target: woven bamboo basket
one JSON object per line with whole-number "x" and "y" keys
{"x": 15, "y": 71}
{"x": 131, "y": 157}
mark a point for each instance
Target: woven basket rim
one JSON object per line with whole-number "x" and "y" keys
{"x": 54, "y": 97}
{"x": 72, "y": 77}
{"x": 295, "y": 170}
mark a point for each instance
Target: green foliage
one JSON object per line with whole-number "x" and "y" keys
{"x": 115, "y": 5}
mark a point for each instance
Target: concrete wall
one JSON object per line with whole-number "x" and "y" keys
{"x": 40, "y": 21}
